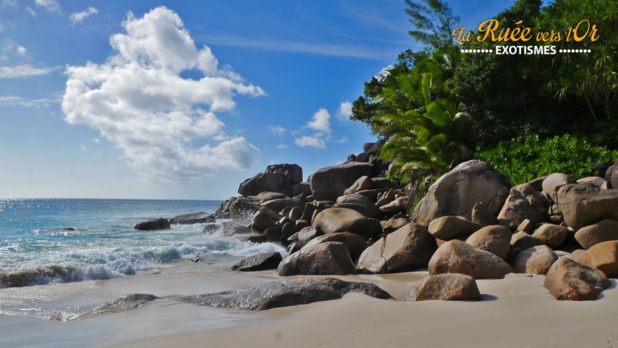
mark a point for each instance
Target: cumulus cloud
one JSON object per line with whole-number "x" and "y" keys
{"x": 384, "y": 72}
{"x": 139, "y": 101}
{"x": 307, "y": 141}
{"x": 19, "y": 71}
{"x": 77, "y": 17}
{"x": 320, "y": 121}
{"x": 49, "y": 5}
{"x": 345, "y": 111}
{"x": 277, "y": 130}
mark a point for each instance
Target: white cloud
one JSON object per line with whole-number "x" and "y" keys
{"x": 31, "y": 11}
{"x": 282, "y": 146}
{"x": 345, "y": 111}
{"x": 320, "y": 121}
{"x": 96, "y": 140}
{"x": 77, "y": 17}
{"x": 277, "y": 130}
{"x": 21, "y": 50}
{"x": 306, "y": 141}
{"x": 49, "y": 5}
{"x": 84, "y": 148}
{"x": 28, "y": 102}
{"x": 18, "y": 71}
{"x": 384, "y": 72}
{"x": 138, "y": 101}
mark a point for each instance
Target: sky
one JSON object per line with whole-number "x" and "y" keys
{"x": 186, "y": 99}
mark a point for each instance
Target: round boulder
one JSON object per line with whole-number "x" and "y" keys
{"x": 496, "y": 239}
{"x": 456, "y": 256}
{"x": 445, "y": 287}
{"x": 534, "y": 260}
{"x": 320, "y": 259}
{"x": 333, "y": 220}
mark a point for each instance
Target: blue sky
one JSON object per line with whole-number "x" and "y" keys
{"x": 185, "y": 99}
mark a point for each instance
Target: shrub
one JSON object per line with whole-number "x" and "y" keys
{"x": 526, "y": 158}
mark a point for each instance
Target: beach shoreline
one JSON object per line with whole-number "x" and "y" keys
{"x": 514, "y": 312}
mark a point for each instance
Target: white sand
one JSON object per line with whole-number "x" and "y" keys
{"x": 515, "y": 312}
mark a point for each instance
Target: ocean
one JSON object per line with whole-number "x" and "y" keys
{"x": 45, "y": 241}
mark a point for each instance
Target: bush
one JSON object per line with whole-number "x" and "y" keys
{"x": 526, "y": 158}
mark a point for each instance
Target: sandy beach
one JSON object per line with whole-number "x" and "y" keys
{"x": 514, "y": 312}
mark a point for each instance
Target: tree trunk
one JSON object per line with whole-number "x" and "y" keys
{"x": 591, "y": 110}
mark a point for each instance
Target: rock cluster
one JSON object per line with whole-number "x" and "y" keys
{"x": 471, "y": 222}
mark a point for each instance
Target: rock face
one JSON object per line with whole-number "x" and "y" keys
{"x": 584, "y": 205}
{"x": 320, "y": 259}
{"x": 407, "y": 248}
{"x": 329, "y": 183}
{"x": 258, "y": 262}
{"x": 496, "y": 239}
{"x": 456, "y": 192}
{"x": 153, "y": 225}
{"x": 603, "y": 231}
{"x": 456, "y": 256}
{"x": 553, "y": 182}
{"x": 276, "y": 178}
{"x": 194, "y": 218}
{"x": 354, "y": 243}
{"x": 534, "y": 260}
{"x": 604, "y": 257}
{"x": 552, "y": 235}
{"x": 523, "y": 202}
{"x": 445, "y": 287}
{"x": 334, "y": 220}
{"x": 286, "y": 293}
{"x": 569, "y": 280}
{"x": 451, "y": 227}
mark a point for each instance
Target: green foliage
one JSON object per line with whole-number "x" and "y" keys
{"x": 433, "y": 23}
{"x": 526, "y": 158}
{"x": 591, "y": 77}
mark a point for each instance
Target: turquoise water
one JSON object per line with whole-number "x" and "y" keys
{"x": 35, "y": 242}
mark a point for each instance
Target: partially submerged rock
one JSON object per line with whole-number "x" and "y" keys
{"x": 154, "y": 225}
{"x": 445, "y": 287}
{"x": 286, "y": 293}
{"x": 193, "y": 218}
{"x": 258, "y": 262}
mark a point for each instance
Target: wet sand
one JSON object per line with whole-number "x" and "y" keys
{"x": 514, "y": 312}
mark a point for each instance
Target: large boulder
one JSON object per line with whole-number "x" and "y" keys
{"x": 360, "y": 203}
{"x": 194, "y": 218}
{"x": 456, "y": 192}
{"x": 456, "y": 256}
{"x": 407, "y": 248}
{"x": 243, "y": 209}
{"x": 329, "y": 183}
{"x": 354, "y": 243}
{"x": 595, "y": 181}
{"x": 534, "y": 260}
{"x": 496, "y": 239}
{"x": 363, "y": 183}
{"x": 552, "y": 235}
{"x": 282, "y": 203}
{"x": 569, "y": 280}
{"x": 334, "y": 220}
{"x": 452, "y": 227}
{"x": 522, "y": 240}
{"x": 265, "y": 218}
{"x": 611, "y": 175}
{"x": 604, "y": 257}
{"x": 602, "y": 231}
{"x": 482, "y": 216}
{"x": 553, "y": 182}
{"x": 299, "y": 239}
{"x": 276, "y": 178}
{"x": 523, "y": 202}
{"x": 266, "y": 196}
{"x": 286, "y": 293}
{"x": 320, "y": 259}
{"x": 154, "y": 225}
{"x": 445, "y": 287}
{"x": 584, "y": 205}
{"x": 259, "y": 262}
